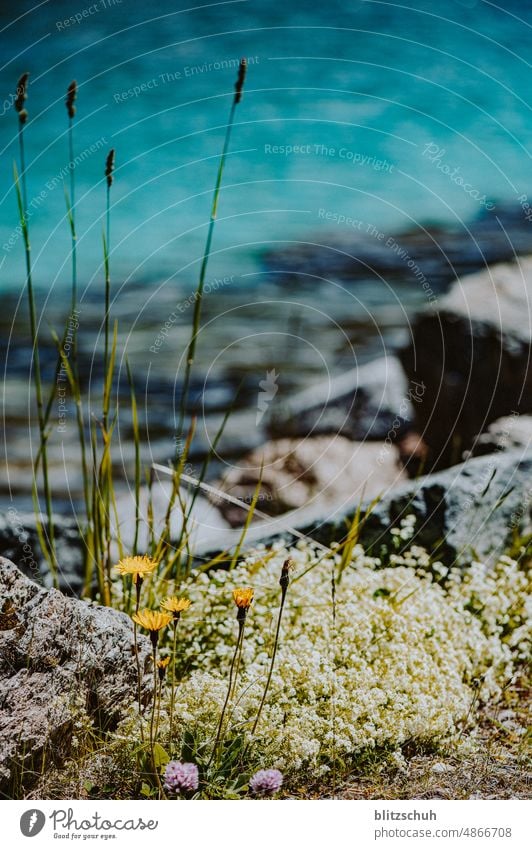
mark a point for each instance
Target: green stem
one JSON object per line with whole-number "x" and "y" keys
{"x": 172, "y": 694}
{"x": 23, "y": 207}
{"x": 159, "y": 697}
{"x": 241, "y": 623}
{"x": 199, "y": 292}
{"x": 73, "y": 214}
{"x": 137, "y": 659}
{"x": 272, "y": 663}
{"x": 74, "y": 304}
{"x": 153, "y": 708}
{"x": 23, "y": 169}
{"x": 107, "y": 295}
{"x": 152, "y": 719}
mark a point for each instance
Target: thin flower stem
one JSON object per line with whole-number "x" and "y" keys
{"x": 272, "y": 662}
{"x": 137, "y": 659}
{"x": 241, "y": 623}
{"x": 152, "y": 721}
{"x": 172, "y": 694}
{"x": 158, "y": 720}
{"x": 154, "y": 703}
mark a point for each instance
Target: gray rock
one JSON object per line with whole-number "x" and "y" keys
{"x": 473, "y": 356}
{"x": 469, "y": 510}
{"x": 373, "y": 401}
{"x": 62, "y": 661}
{"x": 466, "y": 511}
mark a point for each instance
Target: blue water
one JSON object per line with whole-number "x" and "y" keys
{"x": 361, "y": 87}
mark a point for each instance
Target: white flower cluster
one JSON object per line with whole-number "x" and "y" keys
{"x": 372, "y": 657}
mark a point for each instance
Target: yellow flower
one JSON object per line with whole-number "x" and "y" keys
{"x": 138, "y": 567}
{"x": 243, "y": 596}
{"x": 152, "y": 620}
{"x": 175, "y": 605}
{"x": 163, "y": 662}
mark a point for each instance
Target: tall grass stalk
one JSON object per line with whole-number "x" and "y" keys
{"x": 239, "y": 85}
{"x": 136, "y": 440}
{"x": 48, "y": 540}
{"x": 109, "y": 168}
{"x": 71, "y": 202}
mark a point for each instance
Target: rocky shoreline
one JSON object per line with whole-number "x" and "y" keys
{"x": 441, "y": 432}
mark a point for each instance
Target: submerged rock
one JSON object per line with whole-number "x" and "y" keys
{"x": 63, "y": 663}
{"x": 203, "y": 525}
{"x": 438, "y": 255}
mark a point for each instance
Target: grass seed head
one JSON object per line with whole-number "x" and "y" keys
{"x": 239, "y": 85}
{"x": 22, "y": 95}
{"x": 72, "y": 93}
{"x": 110, "y": 167}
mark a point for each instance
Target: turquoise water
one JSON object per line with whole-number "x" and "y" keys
{"x": 342, "y": 102}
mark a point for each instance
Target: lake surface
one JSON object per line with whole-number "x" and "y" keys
{"x": 341, "y": 103}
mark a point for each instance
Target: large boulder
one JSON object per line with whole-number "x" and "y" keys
{"x": 472, "y": 354}
{"x": 63, "y": 663}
